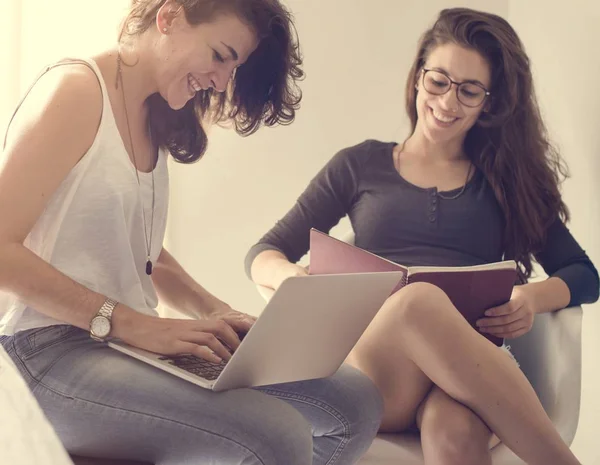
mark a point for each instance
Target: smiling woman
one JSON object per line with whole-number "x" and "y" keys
{"x": 82, "y": 257}
{"x": 476, "y": 180}
{"x": 206, "y": 46}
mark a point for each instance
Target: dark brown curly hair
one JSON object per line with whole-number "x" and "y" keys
{"x": 263, "y": 90}
{"x": 509, "y": 143}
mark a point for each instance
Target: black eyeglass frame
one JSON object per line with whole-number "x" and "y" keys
{"x": 487, "y": 93}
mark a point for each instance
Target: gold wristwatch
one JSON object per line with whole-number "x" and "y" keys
{"x": 100, "y": 326}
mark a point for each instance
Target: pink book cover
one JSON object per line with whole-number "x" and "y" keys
{"x": 472, "y": 289}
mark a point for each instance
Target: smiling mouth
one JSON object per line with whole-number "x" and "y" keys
{"x": 446, "y": 120}
{"x": 193, "y": 84}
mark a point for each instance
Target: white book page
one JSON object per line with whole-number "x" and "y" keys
{"x": 505, "y": 265}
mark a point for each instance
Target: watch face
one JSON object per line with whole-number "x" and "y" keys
{"x": 100, "y": 326}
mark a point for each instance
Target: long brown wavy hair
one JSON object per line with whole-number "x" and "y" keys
{"x": 263, "y": 90}
{"x": 509, "y": 143}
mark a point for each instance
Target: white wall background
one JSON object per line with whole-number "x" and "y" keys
{"x": 564, "y": 47}
{"x": 356, "y": 69}
{"x": 34, "y": 33}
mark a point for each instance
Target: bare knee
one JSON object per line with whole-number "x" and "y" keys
{"x": 456, "y": 436}
{"x": 459, "y": 440}
{"x": 416, "y": 304}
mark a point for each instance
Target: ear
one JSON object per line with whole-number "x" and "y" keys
{"x": 165, "y": 17}
{"x": 485, "y": 117}
{"x": 487, "y": 107}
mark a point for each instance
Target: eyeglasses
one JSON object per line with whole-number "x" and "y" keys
{"x": 469, "y": 94}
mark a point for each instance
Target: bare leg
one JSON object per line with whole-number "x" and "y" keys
{"x": 401, "y": 383}
{"x": 452, "y": 434}
{"x": 420, "y": 323}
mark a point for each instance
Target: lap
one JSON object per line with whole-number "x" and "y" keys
{"x": 99, "y": 399}
{"x": 104, "y": 403}
{"x": 381, "y": 354}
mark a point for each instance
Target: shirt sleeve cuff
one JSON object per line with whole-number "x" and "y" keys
{"x": 254, "y": 252}
{"x": 582, "y": 283}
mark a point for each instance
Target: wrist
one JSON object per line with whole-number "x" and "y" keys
{"x": 124, "y": 321}
{"x": 101, "y": 324}
{"x": 206, "y": 305}
{"x": 532, "y": 292}
{"x": 287, "y": 270}
{"x": 548, "y": 295}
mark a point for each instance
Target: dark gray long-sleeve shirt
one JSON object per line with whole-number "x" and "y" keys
{"x": 415, "y": 226}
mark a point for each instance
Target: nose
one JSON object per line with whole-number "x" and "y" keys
{"x": 220, "y": 78}
{"x": 450, "y": 99}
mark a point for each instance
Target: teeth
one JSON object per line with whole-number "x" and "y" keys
{"x": 194, "y": 84}
{"x": 442, "y": 118}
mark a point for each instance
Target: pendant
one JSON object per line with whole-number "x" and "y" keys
{"x": 148, "y": 267}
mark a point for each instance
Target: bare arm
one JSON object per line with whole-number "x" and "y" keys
{"x": 270, "y": 268}
{"x": 573, "y": 280}
{"x": 51, "y": 132}
{"x": 178, "y": 290}
{"x": 53, "y": 129}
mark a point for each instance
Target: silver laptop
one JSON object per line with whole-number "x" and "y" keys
{"x": 306, "y": 331}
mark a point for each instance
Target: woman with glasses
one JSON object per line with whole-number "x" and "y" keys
{"x": 476, "y": 181}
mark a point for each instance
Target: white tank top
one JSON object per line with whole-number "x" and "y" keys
{"x": 92, "y": 228}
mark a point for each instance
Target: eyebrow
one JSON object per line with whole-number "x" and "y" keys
{"x": 471, "y": 81}
{"x": 234, "y": 54}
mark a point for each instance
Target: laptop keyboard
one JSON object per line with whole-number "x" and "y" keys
{"x": 196, "y": 365}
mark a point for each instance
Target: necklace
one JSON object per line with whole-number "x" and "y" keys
{"x": 456, "y": 196}
{"x": 147, "y": 237}
{"x": 450, "y": 197}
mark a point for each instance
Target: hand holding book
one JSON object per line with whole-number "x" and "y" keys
{"x": 512, "y": 319}
{"x": 472, "y": 289}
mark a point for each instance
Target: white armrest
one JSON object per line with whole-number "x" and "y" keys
{"x": 550, "y": 357}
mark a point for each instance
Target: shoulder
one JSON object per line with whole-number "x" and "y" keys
{"x": 65, "y": 103}
{"x": 72, "y": 85}
{"x": 366, "y": 152}
{"x": 65, "y": 91}
{"x": 71, "y": 89}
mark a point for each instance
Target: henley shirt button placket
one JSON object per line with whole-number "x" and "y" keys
{"x": 433, "y": 206}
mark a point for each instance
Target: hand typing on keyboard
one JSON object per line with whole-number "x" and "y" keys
{"x": 212, "y": 338}
{"x": 240, "y": 322}
{"x": 199, "y": 366}
{"x": 196, "y": 365}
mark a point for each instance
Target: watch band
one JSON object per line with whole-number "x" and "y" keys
{"x": 107, "y": 308}
{"x": 105, "y": 312}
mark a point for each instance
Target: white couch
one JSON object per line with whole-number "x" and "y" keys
{"x": 26, "y": 436}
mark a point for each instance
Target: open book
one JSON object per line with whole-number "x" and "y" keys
{"x": 472, "y": 289}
